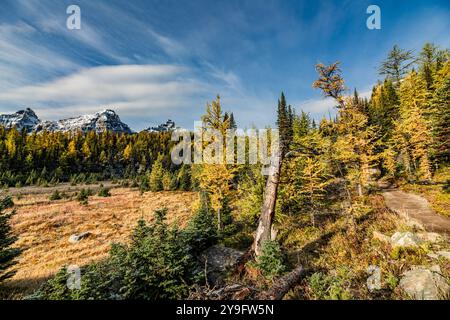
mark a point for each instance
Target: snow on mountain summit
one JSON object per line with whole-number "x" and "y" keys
{"x": 106, "y": 120}
{"x": 23, "y": 119}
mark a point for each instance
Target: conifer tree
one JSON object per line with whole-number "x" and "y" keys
{"x": 397, "y": 64}
{"x": 156, "y": 175}
{"x": 8, "y": 254}
{"x": 184, "y": 178}
{"x": 216, "y": 178}
{"x": 285, "y": 118}
{"x": 412, "y": 136}
{"x": 233, "y": 124}
{"x": 313, "y": 180}
{"x": 441, "y": 118}
{"x": 427, "y": 59}
{"x": 331, "y": 82}
{"x": 384, "y": 108}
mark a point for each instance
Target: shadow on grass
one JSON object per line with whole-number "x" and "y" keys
{"x": 18, "y": 289}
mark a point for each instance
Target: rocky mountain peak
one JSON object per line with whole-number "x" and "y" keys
{"x": 168, "y": 126}
{"x": 22, "y": 119}
{"x": 106, "y": 120}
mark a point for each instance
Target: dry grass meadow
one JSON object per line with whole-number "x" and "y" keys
{"x": 44, "y": 228}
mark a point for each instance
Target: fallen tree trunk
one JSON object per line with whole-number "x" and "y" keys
{"x": 283, "y": 285}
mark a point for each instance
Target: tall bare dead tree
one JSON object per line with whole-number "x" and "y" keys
{"x": 284, "y": 122}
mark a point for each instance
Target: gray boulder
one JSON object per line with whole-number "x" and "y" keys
{"x": 405, "y": 239}
{"x": 218, "y": 260}
{"x": 75, "y": 238}
{"x": 421, "y": 283}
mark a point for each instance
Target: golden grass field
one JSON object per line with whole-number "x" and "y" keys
{"x": 44, "y": 228}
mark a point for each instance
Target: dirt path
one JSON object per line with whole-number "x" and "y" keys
{"x": 416, "y": 210}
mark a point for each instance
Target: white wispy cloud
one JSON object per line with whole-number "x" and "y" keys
{"x": 132, "y": 90}
{"x": 21, "y": 57}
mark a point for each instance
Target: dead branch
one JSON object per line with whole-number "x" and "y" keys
{"x": 283, "y": 285}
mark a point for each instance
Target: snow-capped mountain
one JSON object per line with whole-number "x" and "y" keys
{"x": 164, "y": 127}
{"x": 106, "y": 120}
{"x": 21, "y": 119}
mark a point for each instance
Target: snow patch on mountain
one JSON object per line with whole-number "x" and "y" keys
{"x": 106, "y": 120}
{"x": 164, "y": 127}
{"x": 23, "y": 119}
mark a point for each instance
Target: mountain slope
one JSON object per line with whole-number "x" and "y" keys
{"x": 23, "y": 119}
{"x": 164, "y": 127}
{"x": 106, "y": 120}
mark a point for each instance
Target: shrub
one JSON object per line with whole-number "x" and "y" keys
{"x": 184, "y": 178}
{"x": 6, "y": 203}
{"x": 143, "y": 185}
{"x": 156, "y": 176}
{"x": 271, "y": 260}
{"x": 201, "y": 231}
{"x": 329, "y": 287}
{"x": 83, "y": 196}
{"x": 7, "y": 239}
{"x": 392, "y": 281}
{"x": 104, "y": 192}
{"x": 157, "y": 264}
{"x": 56, "y": 195}
{"x": 167, "y": 181}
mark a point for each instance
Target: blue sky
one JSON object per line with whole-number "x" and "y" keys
{"x": 154, "y": 60}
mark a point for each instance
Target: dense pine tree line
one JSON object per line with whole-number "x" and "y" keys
{"x": 44, "y": 158}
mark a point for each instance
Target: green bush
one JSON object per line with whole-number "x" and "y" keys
{"x": 159, "y": 263}
{"x": 184, "y": 178}
{"x": 201, "y": 231}
{"x": 104, "y": 192}
{"x": 8, "y": 254}
{"x": 155, "y": 179}
{"x": 83, "y": 196}
{"x": 329, "y": 287}
{"x": 271, "y": 260}
{"x": 392, "y": 281}
{"x": 143, "y": 185}
{"x": 168, "y": 181}
{"x": 56, "y": 195}
{"x": 6, "y": 203}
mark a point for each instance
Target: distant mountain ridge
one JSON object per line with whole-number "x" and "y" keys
{"x": 23, "y": 119}
{"x": 106, "y": 120}
{"x": 164, "y": 127}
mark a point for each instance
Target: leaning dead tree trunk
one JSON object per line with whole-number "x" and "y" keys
{"x": 264, "y": 230}
{"x": 283, "y": 285}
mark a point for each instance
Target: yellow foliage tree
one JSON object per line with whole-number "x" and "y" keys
{"x": 412, "y": 137}
{"x": 216, "y": 178}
